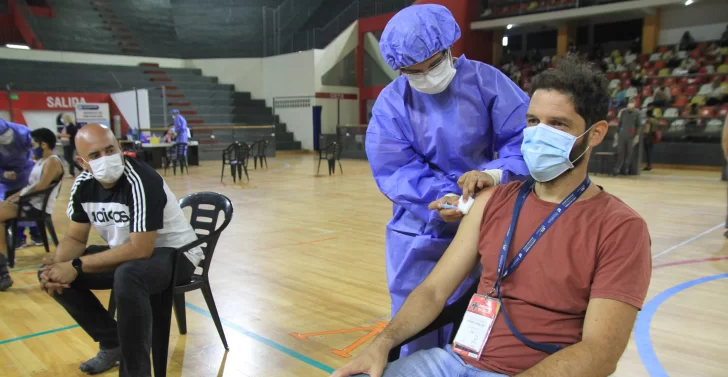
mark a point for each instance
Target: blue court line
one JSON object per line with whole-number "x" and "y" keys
{"x": 37, "y": 334}
{"x": 644, "y": 321}
{"x": 265, "y": 341}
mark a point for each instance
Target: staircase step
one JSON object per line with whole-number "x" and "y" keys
{"x": 149, "y": 65}
{"x": 288, "y": 145}
{"x": 161, "y": 79}
{"x": 155, "y": 72}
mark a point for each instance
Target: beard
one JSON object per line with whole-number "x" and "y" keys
{"x": 577, "y": 156}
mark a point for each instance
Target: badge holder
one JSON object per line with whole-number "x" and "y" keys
{"x": 476, "y": 326}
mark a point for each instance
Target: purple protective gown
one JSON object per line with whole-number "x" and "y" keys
{"x": 419, "y": 144}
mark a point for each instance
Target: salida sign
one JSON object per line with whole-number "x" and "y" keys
{"x": 63, "y": 102}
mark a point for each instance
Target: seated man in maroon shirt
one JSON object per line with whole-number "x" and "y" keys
{"x": 566, "y": 265}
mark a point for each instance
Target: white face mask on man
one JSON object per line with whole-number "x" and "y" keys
{"x": 436, "y": 80}
{"x": 107, "y": 169}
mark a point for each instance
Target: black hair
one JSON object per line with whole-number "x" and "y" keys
{"x": 44, "y": 135}
{"x": 583, "y": 82}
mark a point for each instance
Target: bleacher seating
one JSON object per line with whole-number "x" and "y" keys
{"x": 202, "y": 100}
{"x": 511, "y": 8}
{"x": 656, "y": 70}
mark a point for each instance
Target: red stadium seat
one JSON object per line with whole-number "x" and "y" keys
{"x": 646, "y": 91}
{"x": 707, "y": 112}
{"x": 685, "y": 113}
{"x": 644, "y": 58}
{"x": 702, "y": 70}
{"x": 695, "y": 54}
{"x": 675, "y": 90}
{"x": 654, "y": 81}
{"x": 625, "y": 76}
{"x": 691, "y": 90}
{"x": 663, "y": 122}
{"x": 723, "y": 111}
{"x": 681, "y": 101}
{"x": 646, "y": 65}
{"x": 652, "y": 72}
{"x": 683, "y": 81}
{"x": 627, "y": 83}
{"x": 612, "y": 75}
{"x": 659, "y": 65}
{"x": 663, "y": 49}
{"x": 611, "y": 114}
{"x": 670, "y": 81}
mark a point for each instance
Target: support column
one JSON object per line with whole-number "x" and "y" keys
{"x": 566, "y": 34}
{"x": 497, "y": 44}
{"x": 651, "y": 33}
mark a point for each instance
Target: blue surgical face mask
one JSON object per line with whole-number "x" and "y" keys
{"x": 38, "y": 152}
{"x": 546, "y": 151}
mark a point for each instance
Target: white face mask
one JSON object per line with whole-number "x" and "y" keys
{"x": 436, "y": 80}
{"x": 107, "y": 169}
{"x": 7, "y": 137}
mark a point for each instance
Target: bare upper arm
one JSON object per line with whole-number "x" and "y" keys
{"x": 78, "y": 231}
{"x": 52, "y": 169}
{"x": 143, "y": 242}
{"x": 462, "y": 255}
{"x": 609, "y": 323}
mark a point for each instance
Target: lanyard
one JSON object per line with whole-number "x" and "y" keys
{"x": 504, "y": 272}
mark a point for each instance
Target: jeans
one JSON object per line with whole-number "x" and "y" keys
{"x": 624, "y": 154}
{"x": 435, "y": 362}
{"x": 133, "y": 282}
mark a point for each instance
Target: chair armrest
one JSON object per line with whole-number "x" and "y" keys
{"x": 452, "y": 313}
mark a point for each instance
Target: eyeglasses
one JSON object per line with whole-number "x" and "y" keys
{"x": 418, "y": 73}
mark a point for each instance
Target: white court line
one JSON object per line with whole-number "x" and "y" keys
{"x": 687, "y": 241}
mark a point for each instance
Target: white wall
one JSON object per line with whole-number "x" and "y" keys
{"x": 706, "y": 20}
{"x": 328, "y": 57}
{"x": 84, "y": 58}
{"x": 245, "y": 73}
{"x": 42, "y": 119}
{"x": 126, "y": 103}
{"x": 371, "y": 46}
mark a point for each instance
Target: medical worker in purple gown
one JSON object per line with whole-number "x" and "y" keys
{"x": 15, "y": 167}
{"x": 440, "y": 119}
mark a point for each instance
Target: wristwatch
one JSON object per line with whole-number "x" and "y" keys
{"x": 77, "y": 263}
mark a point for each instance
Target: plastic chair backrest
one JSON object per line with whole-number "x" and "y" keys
{"x": 208, "y": 229}
{"x": 230, "y": 152}
{"x": 262, "y": 146}
{"x": 46, "y": 193}
{"x": 242, "y": 151}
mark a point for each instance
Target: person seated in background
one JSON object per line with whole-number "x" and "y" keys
{"x": 619, "y": 97}
{"x": 687, "y": 42}
{"x": 47, "y": 170}
{"x": 716, "y": 93}
{"x": 630, "y": 57}
{"x": 661, "y": 96}
{"x": 637, "y": 80}
{"x": 134, "y": 211}
{"x": 565, "y": 265}
{"x": 693, "y": 115}
{"x": 681, "y": 70}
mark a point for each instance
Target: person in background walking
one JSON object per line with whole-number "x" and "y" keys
{"x": 629, "y": 124}
{"x": 68, "y": 140}
{"x": 649, "y": 130}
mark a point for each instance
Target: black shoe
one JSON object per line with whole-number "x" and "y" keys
{"x": 19, "y": 244}
{"x": 725, "y": 234}
{"x": 36, "y": 240}
{"x": 5, "y": 281}
{"x": 647, "y": 168}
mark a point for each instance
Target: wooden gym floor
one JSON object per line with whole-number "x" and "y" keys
{"x": 304, "y": 255}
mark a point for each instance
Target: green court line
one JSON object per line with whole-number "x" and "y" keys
{"x": 34, "y": 335}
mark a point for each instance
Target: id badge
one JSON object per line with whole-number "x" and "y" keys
{"x": 476, "y": 326}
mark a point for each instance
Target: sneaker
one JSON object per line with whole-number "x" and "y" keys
{"x": 20, "y": 243}
{"x": 103, "y": 361}
{"x": 36, "y": 240}
{"x": 5, "y": 280}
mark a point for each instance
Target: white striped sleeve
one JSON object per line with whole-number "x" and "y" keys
{"x": 147, "y": 199}
{"x": 75, "y": 210}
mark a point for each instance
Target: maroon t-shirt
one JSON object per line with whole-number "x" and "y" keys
{"x": 598, "y": 248}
